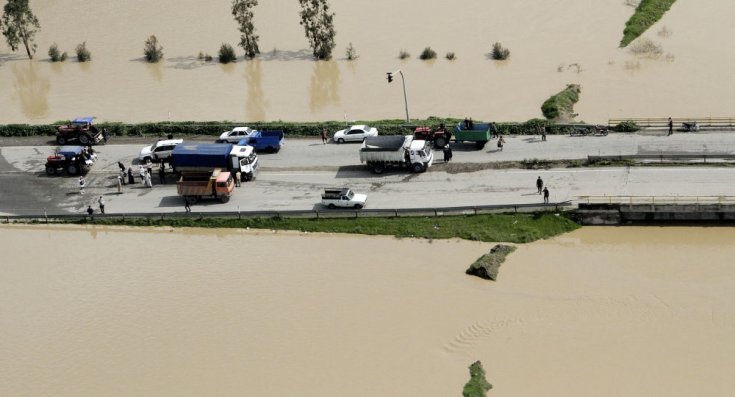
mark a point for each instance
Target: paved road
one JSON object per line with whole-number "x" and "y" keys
{"x": 293, "y": 178}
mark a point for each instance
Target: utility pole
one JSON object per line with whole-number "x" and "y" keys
{"x": 403, "y": 80}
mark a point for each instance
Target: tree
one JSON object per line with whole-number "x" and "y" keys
{"x": 152, "y": 51}
{"x": 19, "y": 25}
{"x": 477, "y": 386}
{"x": 242, "y": 10}
{"x": 318, "y": 25}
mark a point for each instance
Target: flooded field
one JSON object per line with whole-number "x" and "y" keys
{"x": 603, "y": 311}
{"x": 552, "y": 44}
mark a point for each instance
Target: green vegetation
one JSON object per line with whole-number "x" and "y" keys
{"x": 227, "y": 54}
{"x": 561, "y": 106}
{"x": 19, "y": 25}
{"x": 183, "y": 128}
{"x": 427, "y": 54}
{"x": 242, "y": 10}
{"x": 403, "y": 54}
{"x": 351, "y": 53}
{"x": 499, "y": 53}
{"x": 487, "y": 266}
{"x": 204, "y": 57}
{"x": 477, "y": 386}
{"x": 318, "y": 23}
{"x": 646, "y": 14}
{"x": 83, "y": 54}
{"x": 152, "y": 51}
{"x": 516, "y": 228}
{"x": 55, "y": 55}
{"x": 626, "y": 126}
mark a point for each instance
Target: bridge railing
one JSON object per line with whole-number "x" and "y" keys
{"x": 663, "y": 122}
{"x": 661, "y": 200}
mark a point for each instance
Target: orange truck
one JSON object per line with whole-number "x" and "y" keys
{"x": 194, "y": 186}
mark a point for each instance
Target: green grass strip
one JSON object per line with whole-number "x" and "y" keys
{"x": 515, "y": 228}
{"x": 646, "y": 14}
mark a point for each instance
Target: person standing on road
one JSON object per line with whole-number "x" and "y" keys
{"x": 324, "y": 136}
{"x": 501, "y": 142}
{"x": 238, "y": 179}
{"x": 446, "y": 150}
{"x": 120, "y": 181}
{"x": 131, "y": 178}
{"x": 546, "y": 195}
{"x": 539, "y": 184}
{"x": 186, "y": 206}
{"x": 90, "y": 211}
{"x": 147, "y": 179}
{"x": 122, "y": 177}
{"x": 671, "y": 126}
{"x": 105, "y": 135}
{"x": 101, "y": 202}
{"x": 121, "y": 165}
{"x": 82, "y": 184}
{"x": 142, "y": 174}
{"x": 162, "y": 175}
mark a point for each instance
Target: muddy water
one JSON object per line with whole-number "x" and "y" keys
{"x": 551, "y": 43}
{"x": 119, "y": 312}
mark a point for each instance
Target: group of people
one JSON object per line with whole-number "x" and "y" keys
{"x": 469, "y": 124}
{"x": 101, "y": 203}
{"x": 542, "y": 189}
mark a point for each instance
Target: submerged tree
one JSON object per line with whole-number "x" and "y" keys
{"x": 152, "y": 50}
{"x": 318, "y": 25}
{"x": 19, "y": 25}
{"x": 242, "y": 10}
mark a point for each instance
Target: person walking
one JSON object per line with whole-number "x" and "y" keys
{"x": 446, "y": 150}
{"x": 82, "y": 185}
{"x": 324, "y": 136}
{"x": 105, "y": 135}
{"x": 101, "y": 202}
{"x": 131, "y": 178}
{"x": 187, "y": 208}
{"x": 147, "y": 179}
{"x": 238, "y": 179}
{"x": 671, "y": 126}
{"x": 539, "y": 184}
{"x": 162, "y": 175}
{"x": 120, "y": 181}
{"x": 122, "y": 177}
{"x": 546, "y": 195}
{"x": 501, "y": 142}
{"x": 494, "y": 128}
{"x": 121, "y": 165}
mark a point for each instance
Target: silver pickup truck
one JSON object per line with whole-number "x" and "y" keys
{"x": 343, "y": 197}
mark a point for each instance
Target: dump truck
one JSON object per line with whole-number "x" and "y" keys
{"x": 194, "y": 186}
{"x": 206, "y": 157}
{"x": 383, "y": 152}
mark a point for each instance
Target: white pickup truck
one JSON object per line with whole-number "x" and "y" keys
{"x": 343, "y": 197}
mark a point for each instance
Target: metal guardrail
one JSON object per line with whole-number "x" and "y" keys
{"x": 631, "y": 200}
{"x": 663, "y": 122}
{"x": 663, "y": 156}
{"x": 313, "y": 214}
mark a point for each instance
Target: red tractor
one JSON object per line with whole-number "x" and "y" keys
{"x": 80, "y": 129}
{"x": 439, "y": 137}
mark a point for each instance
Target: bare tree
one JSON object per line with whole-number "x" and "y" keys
{"x": 318, "y": 25}
{"x": 19, "y": 25}
{"x": 242, "y": 10}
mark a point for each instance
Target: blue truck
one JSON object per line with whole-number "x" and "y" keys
{"x": 206, "y": 157}
{"x": 264, "y": 141}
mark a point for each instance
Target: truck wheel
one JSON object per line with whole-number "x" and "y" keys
{"x": 340, "y": 140}
{"x": 224, "y": 199}
{"x": 417, "y": 167}
{"x": 270, "y": 149}
{"x": 84, "y": 139}
{"x": 480, "y": 144}
{"x": 51, "y": 170}
{"x": 378, "y": 169}
{"x": 61, "y": 140}
{"x": 440, "y": 142}
{"x": 72, "y": 169}
{"x": 191, "y": 199}
{"x": 331, "y": 206}
{"x": 358, "y": 206}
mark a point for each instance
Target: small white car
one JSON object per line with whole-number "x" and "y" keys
{"x": 344, "y": 198}
{"x": 356, "y": 133}
{"x": 160, "y": 150}
{"x": 235, "y": 135}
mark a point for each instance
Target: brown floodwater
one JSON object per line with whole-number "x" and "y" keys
{"x": 552, "y": 43}
{"x": 600, "y": 311}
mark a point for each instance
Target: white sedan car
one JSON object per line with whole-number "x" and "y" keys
{"x": 235, "y": 135}
{"x": 356, "y": 133}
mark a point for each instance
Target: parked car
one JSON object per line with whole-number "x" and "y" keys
{"x": 159, "y": 151}
{"x": 356, "y": 133}
{"x": 344, "y": 198}
{"x": 235, "y": 135}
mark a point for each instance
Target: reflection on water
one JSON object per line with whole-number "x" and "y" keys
{"x": 255, "y": 103}
{"x": 156, "y": 70}
{"x": 324, "y": 88}
{"x": 31, "y": 88}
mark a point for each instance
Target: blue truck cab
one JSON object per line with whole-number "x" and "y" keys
{"x": 264, "y": 141}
